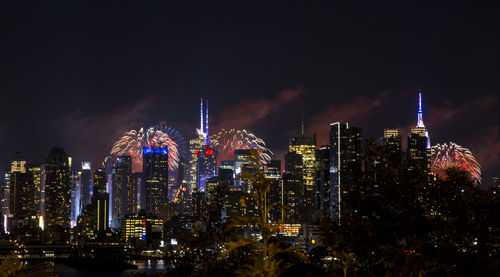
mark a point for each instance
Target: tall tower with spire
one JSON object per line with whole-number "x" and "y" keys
{"x": 202, "y": 163}
{"x": 418, "y": 151}
{"x": 420, "y": 119}
{"x": 302, "y": 148}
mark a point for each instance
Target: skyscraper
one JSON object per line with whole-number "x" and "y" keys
{"x": 345, "y": 162}
{"x": 323, "y": 179}
{"x": 244, "y": 160}
{"x": 197, "y": 149}
{"x": 75, "y": 195}
{"x": 36, "y": 170}
{"x": 94, "y": 221}
{"x": 22, "y": 194}
{"x": 85, "y": 184}
{"x": 124, "y": 190}
{"x": 99, "y": 177}
{"x": 306, "y": 148}
{"x": 274, "y": 196}
{"x": 108, "y": 165}
{"x": 392, "y": 158}
{"x": 419, "y": 152}
{"x": 292, "y": 184}
{"x": 207, "y": 166}
{"x": 155, "y": 179}
{"x": 57, "y": 189}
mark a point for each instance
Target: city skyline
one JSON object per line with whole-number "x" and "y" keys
{"x": 488, "y": 170}
{"x": 294, "y": 138}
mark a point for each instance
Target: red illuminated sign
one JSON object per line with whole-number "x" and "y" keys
{"x": 209, "y": 152}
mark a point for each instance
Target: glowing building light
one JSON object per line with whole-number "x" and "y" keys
{"x": 41, "y": 223}
{"x": 420, "y": 119}
{"x": 5, "y": 224}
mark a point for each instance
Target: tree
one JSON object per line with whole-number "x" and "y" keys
{"x": 265, "y": 256}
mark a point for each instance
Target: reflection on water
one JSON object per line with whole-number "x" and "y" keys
{"x": 146, "y": 267}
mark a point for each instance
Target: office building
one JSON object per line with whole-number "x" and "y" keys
{"x": 306, "y": 148}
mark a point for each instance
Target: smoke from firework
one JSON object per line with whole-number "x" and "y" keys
{"x": 451, "y": 155}
{"x": 226, "y": 141}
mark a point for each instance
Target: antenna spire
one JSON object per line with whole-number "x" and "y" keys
{"x": 206, "y": 130}
{"x": 201, "y": 115}
{"x": 302, "y": 119}
{"x": 420, "y": 120}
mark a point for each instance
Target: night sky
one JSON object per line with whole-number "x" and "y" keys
{"x": 78, "y": 75}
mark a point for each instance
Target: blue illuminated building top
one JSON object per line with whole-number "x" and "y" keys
{"x": 151, "y": 150}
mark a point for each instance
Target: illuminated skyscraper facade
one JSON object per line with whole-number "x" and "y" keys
{"x": 292, "y": 188}
{"x": 198, "y": 148}
{"x": 323, "y": 179}
{"x": 155, "y": 179}
{"x": 419, "y": 150}
{"x": 306, "y": 148}
{"x": 36, "y": 170}
{"x": 245, "y": 160}
{"x": 99, "y": 177}
{"x": 124, "y": 189}
{"x": 275, "y": 194}
{"x": 345, "y": 162}
{"x": 392, "y": 144}
{"x": 207, "y": 166}
{"x": 195, "y": 146}
{"x": 85, "y": 184}
{"x": 22, "y": 195}
{"x": 75, "y": 196}
{"x": 57, "y": 189}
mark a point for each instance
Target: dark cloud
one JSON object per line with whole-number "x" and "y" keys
{"x": 248, "y": 111}
{"x": 89, "y": 137}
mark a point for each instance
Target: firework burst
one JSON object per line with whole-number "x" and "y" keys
{"x": 177, "y": 137}
{"x": 451, "y": 155}
{"x": 132, "y": 143}
{"x": 226, "y": 141}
